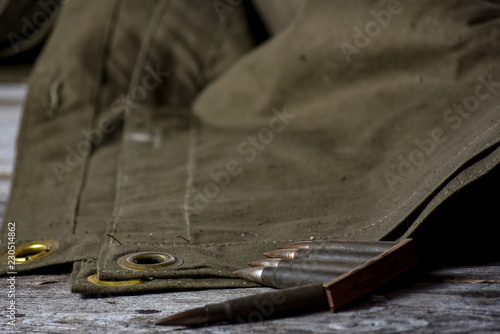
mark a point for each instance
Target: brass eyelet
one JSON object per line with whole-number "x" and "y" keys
{"x": 94, "y": 280}
{"x": 31, "y": 251}
{"x": 149, "y": 261}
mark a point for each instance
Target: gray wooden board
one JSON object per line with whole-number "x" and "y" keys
{"x": 433, "y": 302}
{"x": 447, "y": 300}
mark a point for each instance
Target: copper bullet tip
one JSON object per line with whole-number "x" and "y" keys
{"x": 265, "y": 263}
{"x": 282, "y": 253}
{"x": 251, "y": 274}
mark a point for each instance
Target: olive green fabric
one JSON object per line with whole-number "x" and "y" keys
{"x": 360, "y": 120}
{"x": 61, "y": 95}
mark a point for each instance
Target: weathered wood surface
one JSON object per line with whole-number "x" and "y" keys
{"x": 11, "y": 99}
{"x": 455, "y": 300}
{"x": 448, "y": 300}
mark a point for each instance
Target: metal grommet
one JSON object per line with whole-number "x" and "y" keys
{"x": 94, "y": 280}
{"x": 149, "y": 261}
{"x": 32, "y": 251}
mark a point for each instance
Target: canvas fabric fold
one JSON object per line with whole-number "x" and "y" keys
{"x": 25, "y": 24}
{"x": 360, "y": 120}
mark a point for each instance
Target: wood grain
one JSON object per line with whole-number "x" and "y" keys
{"x": 425, "y": 303}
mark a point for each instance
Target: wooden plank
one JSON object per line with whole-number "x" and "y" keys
{"x": 422, "y": 305}
{"x": 11, "y": 100}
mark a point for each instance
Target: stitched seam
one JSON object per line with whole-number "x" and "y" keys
{"x": 155, "y": 20}
{"x": 222, "y": 245}
{"x": 211, "y": 54}
{"x": 190, "y": 165}
{"x": 110, "y": 29}
{"x": 206, "y": 245}
{"x": 189, "y": 180}
{"x": 381, "y": 221}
